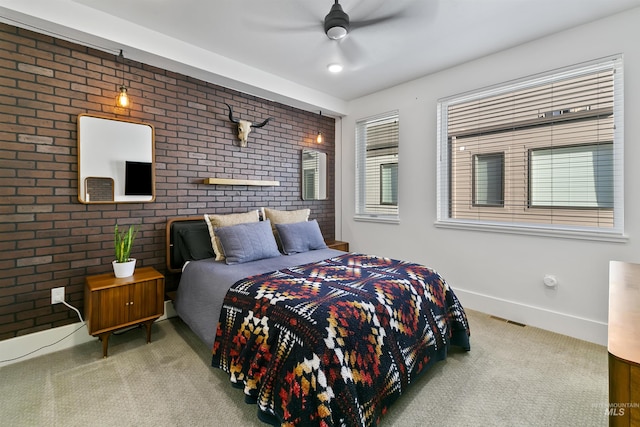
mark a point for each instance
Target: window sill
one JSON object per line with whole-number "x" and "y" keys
{"x": 532, "y": 230}
{"x": 377, "y": 218}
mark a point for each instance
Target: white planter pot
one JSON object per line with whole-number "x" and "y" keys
{"x": 124, "y": 269}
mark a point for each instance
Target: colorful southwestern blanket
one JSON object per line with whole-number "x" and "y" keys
{"x": 334, "y": 343}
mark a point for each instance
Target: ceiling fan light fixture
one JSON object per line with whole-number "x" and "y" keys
{"x": 336, "y": 33}
{"x": 336, "y": 23}
{"x": 334, "y": 68}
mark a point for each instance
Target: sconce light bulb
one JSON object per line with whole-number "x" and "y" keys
{"x": 319, "y": 138}
{"x": 122, "y": 100}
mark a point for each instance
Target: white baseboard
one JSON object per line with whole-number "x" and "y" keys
{"x": 40, "y": 343}
{"x": 169, "y": 311}
{"x": 561, "y": 323}
{"x": 25, "y": 347}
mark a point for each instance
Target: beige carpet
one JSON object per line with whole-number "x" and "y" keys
{"x": 513, "y": 376}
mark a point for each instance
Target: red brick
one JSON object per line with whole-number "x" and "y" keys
{"x": 49, "y": 239}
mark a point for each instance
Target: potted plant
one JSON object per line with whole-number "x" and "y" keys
{"x": 124, "y": 265}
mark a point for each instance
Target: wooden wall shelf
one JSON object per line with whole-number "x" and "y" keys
{"x": 231, "y": 181}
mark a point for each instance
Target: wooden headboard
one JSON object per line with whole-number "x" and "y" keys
{"x": 176, "y": 227}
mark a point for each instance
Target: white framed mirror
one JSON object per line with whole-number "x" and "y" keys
{"x": 116, "y": 160}
{"x": 314, "y": 175}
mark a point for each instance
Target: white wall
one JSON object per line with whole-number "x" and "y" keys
{"x": 112, "y": 34}
{"x": 501, "y": 274}
{"x": 24, "y": 347}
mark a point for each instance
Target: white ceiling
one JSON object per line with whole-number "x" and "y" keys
{"x": 277, "y": 48}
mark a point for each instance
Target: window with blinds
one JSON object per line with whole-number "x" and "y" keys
{"x": 377, "y": 141}
{"x": 542, "y": 153}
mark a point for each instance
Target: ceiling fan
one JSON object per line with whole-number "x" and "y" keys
{"x": 337, "y": 24}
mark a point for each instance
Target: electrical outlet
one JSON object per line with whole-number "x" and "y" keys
{"x": 550, "y": 281}
{"x": 57, "y": 295}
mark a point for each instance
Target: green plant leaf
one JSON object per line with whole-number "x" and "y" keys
{"x": 123, "y": 241}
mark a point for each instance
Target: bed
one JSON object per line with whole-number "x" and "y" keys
{"x": 317, "y": 337}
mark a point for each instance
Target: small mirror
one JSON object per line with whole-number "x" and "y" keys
{"x": 115, "y": 161}
{"x": 314, "y": 175}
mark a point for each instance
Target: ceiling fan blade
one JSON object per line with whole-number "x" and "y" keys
{"x": 375, "y": 21}
{"x": 385, "y": 11}
{"x": 355, "y": 25}
{"x": 299, "y": 28}
{"x": 305, "y": 20}
{"x": 351, "y": 51}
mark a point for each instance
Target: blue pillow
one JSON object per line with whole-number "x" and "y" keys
{"x": 300, "y": 237}
{"x": 247, "y": 242}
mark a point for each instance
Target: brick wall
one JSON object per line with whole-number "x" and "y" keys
{"x": 48, "y": 239}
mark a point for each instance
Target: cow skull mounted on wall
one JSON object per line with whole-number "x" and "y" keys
{"x": 244, "y": 127}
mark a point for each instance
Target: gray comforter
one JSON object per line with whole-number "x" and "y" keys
{"x": 204, "y": 284}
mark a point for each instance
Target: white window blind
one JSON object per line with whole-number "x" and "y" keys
{"x": 377, "y": 142}
{"x": 579, "y": 176}
{"x": 488, "y": 179}
{"x": 389, "y": 184}
{"x": 544, "y": 153}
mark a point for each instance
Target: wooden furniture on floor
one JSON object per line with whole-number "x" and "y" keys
{"x": 624, "y": 344}
{"x": 338, "y": 245}
{"x": 111, "y": 303}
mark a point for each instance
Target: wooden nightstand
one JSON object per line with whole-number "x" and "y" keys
{"x": 338, "y": 245}
{"x": 111, "y": 303}
{"x": 624, "y": 344}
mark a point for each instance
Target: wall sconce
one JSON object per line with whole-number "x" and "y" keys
{"x": 319, "y": 137}
{"x": 122, "y": 99}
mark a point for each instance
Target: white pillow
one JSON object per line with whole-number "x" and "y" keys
{"x": 284, "y": 217}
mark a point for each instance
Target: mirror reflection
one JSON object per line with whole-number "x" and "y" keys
{"x": 115, "y": 161}
{"x": 314, "y": 175}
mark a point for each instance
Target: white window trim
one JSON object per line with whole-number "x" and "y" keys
{"x": 616, "y": 234}
{"x": 377, "y": 218}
